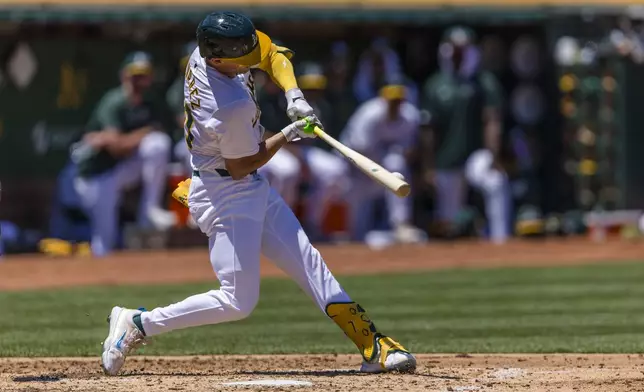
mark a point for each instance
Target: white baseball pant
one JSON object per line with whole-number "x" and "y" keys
{"x": 244, "y": 219}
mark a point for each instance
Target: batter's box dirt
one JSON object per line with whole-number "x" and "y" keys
{"x": 447, "y": 372}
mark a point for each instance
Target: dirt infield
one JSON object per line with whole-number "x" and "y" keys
{"x": 449, "y": 372}
{"x": 586, "y": 373}
{"x": 38, "y": 271}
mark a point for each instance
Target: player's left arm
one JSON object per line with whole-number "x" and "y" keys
{"x": 279, "y": 67}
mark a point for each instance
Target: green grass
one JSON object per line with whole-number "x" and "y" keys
{"x": 598, "y": 308}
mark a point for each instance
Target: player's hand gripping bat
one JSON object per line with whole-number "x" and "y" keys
{"x": 393, "y": 182}
{"x": 389, "y": 180}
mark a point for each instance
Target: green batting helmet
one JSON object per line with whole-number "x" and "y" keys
{"x": 231, "y": 37}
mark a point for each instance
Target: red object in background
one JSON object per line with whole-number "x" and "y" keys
{"x": 176, "y": 174}
{"x": 335, "y": 218}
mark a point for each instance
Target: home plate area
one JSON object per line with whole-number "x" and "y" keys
{"x": 270, "y": 383}
{"x": 436, "y": 372}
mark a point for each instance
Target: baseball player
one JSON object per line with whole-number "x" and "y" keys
{"x": 235, "y": 207}
{"x": 465, "y": 107}
{"x": 383, "y": 129}
{"x": 125, "y": 144}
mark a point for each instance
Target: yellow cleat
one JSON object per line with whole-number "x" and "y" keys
{"x": 380, "y": 353}
{"x": 392, "y": 357}
{"x": 181, "y": 193}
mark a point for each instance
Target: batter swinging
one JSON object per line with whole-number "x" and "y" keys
{"x": 235, "y": 207}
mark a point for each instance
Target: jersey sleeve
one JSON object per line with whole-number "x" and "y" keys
{"x": 233, "y": 125}
{"x": 279, "y": 67}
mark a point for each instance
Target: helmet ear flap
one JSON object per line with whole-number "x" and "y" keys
{"x": 212, "y": 47}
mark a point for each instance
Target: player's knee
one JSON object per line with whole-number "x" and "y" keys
{"x": 246, "y": 306}
{"x": 246, "y": 303}
{"x": 244, "y": 300}
{"x": 156, "y": 144}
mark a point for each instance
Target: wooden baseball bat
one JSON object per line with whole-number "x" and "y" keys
{"x": 368, "y": 167}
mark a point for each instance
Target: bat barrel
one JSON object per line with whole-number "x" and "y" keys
{"x": 387, "y": 179}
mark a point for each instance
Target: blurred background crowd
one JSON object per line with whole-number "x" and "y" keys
{"x": 506, "y": 122}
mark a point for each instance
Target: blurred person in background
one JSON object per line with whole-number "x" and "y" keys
{"x": 383, "y": 129}
{"x": 338, "y": 90}
{"x": 421, "y": 162}
{"x": 175, "y": 101}
{"x": 125, "y": 144}
{"x": 303, "y": 171}
{"x": 376, "y": 66}
{"x": 465, "y": 103}
{"x": 627, "y": 38}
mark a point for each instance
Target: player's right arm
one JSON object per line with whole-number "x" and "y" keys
{"x": 241, "y": 167}
{"x": 240, "y": 142}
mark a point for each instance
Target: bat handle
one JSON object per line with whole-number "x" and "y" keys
{"x": 317, "y": 130}
{"x": 312, "y": 128}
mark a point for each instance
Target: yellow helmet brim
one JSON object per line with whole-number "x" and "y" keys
{"x": 261, "y": 51}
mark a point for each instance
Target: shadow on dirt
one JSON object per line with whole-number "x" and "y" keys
{"x": 41, "y": 378}
{"x": 331, "y": 373}
{"x": 165, "y": 374}
{"x": 313, "y": 373}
